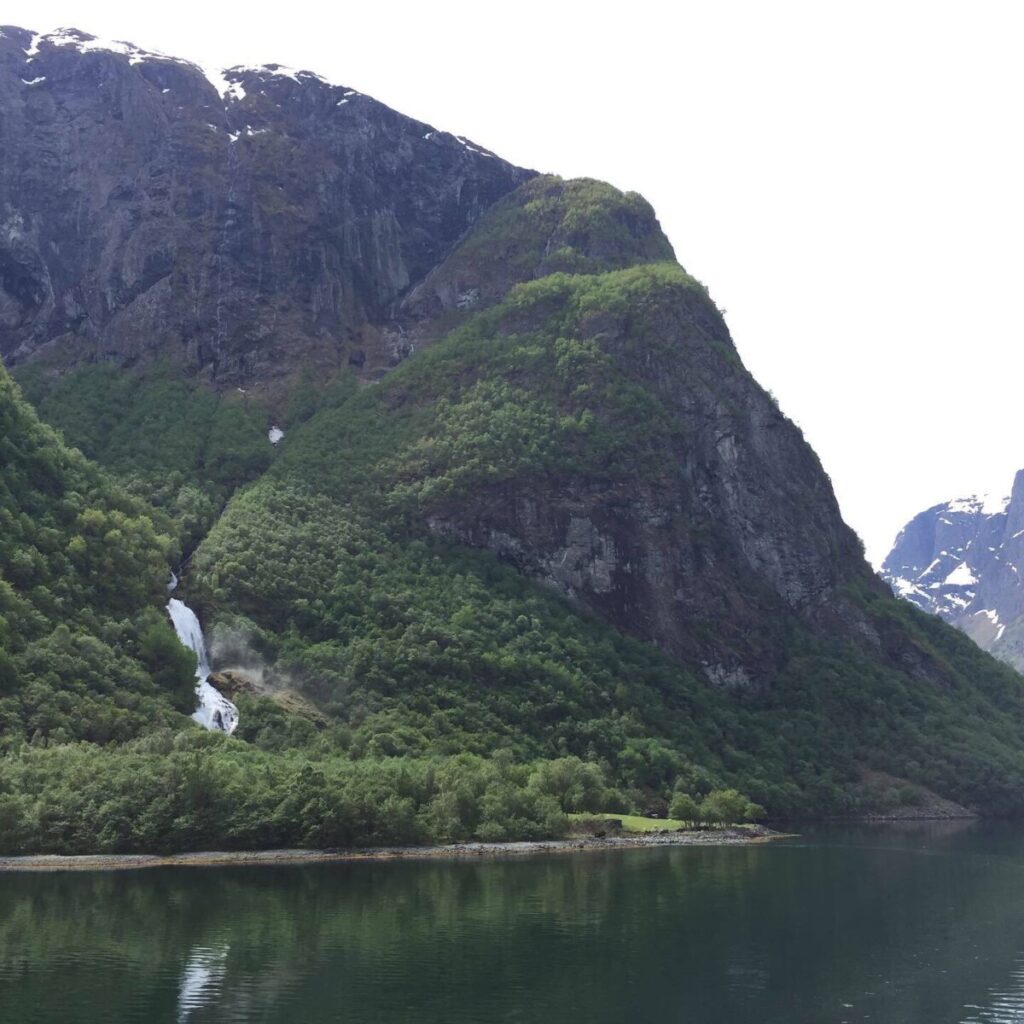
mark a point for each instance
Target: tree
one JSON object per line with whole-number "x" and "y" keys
{"x": 575, "y": 784}
{"x": 171, "y": 665}
{"x": 728, "y": 807}
{"x": 684, "y": 808}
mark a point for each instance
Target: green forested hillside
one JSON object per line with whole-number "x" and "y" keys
{"x": 330, "y": 569}
{"x": 85, "y": 649}
{"x": 568, "y": 556}
{"x": 171, "y": 441}
{"x": 95, "y": 751}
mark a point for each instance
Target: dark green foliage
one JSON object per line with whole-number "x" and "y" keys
{"x": 169, "y": 440}
{"x": 550, "y": 225}
{"x": 237, "y": 449}
{"x": 517, "y": 391}
{"x": 202, "y": 791}
{"x": 724, "y": 807}
{"x": 171, "y": 665}
{"x": 684, "y": 808}
{"x": 149, "y": 424}
{"x": 83, "y": 571}
{"x": 424, "y": 647}
{"x": 421, "y": 647}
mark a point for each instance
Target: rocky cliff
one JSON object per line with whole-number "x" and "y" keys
{"x": 962, "y": 560}
{"x": 237, "y": 224}
{"x": 598, "y": 431}
{"x": 707, "y": 517}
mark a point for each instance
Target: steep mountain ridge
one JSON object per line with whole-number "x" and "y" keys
{"x": 595, "y": 433}
{"x": 962, "y": 560}
{"x": 239, "y": 233}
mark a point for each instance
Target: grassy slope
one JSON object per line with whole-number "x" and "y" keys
{"x": 635, "y": 822}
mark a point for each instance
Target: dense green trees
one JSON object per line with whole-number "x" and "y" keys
{"x": 728, "y": 807}
{"x": 85, "y": 651}
{"x": 329, "y": 567}
{"x": 684, "y": 808}
{"x": 194, "y": 791}
{"x": 171, "y": 441}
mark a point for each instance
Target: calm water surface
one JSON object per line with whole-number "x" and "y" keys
{"x": 906, "y": 925}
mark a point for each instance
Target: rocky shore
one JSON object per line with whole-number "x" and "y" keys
{"x": 457, "y": 851}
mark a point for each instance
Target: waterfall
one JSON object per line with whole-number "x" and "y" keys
{"x": 215, "y": 711}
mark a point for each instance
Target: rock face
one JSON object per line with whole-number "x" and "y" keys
{"x": 735, "y": 527}
{"x": 237, "y": 227}
{"x": 963, "y": 560}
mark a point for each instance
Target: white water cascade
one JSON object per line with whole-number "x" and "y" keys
{"x": 215, "y": 711}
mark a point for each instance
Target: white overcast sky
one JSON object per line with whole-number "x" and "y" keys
{"x": 847, "y": 178}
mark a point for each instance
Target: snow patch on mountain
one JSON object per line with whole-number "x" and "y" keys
{"x": 85, "y": 42}
{"x": 986, "y": 504}
{"x": 229, "y": 82}
{"x": 961, "y": 576}
{"x": 959, "y": 560}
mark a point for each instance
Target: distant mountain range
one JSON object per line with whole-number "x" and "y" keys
{"x": 962, "y": 560}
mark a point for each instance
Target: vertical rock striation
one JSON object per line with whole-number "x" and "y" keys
{"x": 238, "y": 224}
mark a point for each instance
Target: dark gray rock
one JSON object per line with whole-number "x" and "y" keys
{"x": 738, "y": 528}
{"x": 144, "y": 215}
{"x": 276, "y": 222}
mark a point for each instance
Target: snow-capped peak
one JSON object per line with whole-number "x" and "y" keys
{"x": 986, "y": 504}
{"x": 959, "y": 560}
{"x": 86, "y": 42}
{"x": 229, "y": 82}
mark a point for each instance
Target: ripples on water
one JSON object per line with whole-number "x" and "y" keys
{"x": 1003, "y": 1005}
{"x": 202, "y": 981}
{"x": 916, "y": 926}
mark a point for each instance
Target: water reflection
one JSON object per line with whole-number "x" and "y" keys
{"x": 882, "y": 925}
{"x": 202, "y": 979}
{"x": 1005, "y": 1005}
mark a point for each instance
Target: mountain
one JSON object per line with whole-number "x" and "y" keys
{"x": 483, "y": 516}
{"x": 238, "y": 229}
{"x": 960, "y": 560}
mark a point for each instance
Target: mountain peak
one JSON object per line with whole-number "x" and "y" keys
{"x": 962, "y": 560}
{"x": 239, "y": 229}
{"x": 981, "y": 504}
{"x": 83, "y": 42}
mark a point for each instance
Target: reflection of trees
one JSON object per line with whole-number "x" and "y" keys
{"x": 701, "y": 934}
{"x": 452, "y": 921}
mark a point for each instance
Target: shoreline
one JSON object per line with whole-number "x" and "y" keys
{"x": 453, "y": 851}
